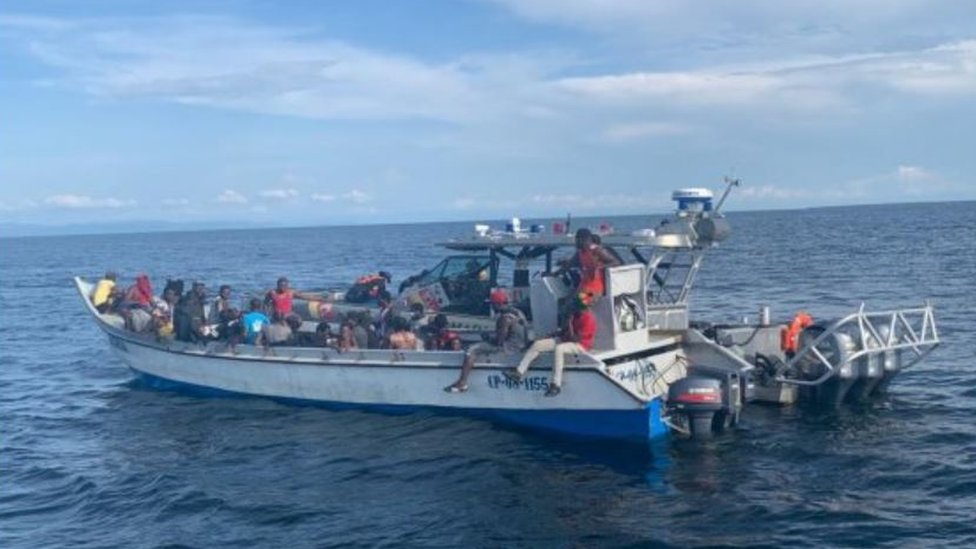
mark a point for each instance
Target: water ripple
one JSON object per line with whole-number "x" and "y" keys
{"x": 93, "y": 458}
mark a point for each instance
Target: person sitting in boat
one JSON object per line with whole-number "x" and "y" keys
{"x": 385, "y": 302}
{"x": 576, "y": 338}
{"x": 229, "y": 327}
{"x": 510, "y": 337}
{"x": 323, "y": 336}
{"x": 279, "y": 332}
{"x": 438, "y": 337}
{"x": 400, "y": 337}
{"x": 368, "y": 287}
{"x": 162, "y": 313}
{"x": 140, "y": 294}
{"x": 280, "y": 298}
{"x": 358, "y": 331}
{"x": 139, "y": 320}
{"x": 418, "y": 319}
{"x": 253, "y": 321}
{"x": 189, "y": 318}
{"x": 103, "y": 291}
{"x": 347, "y": 333}
{"x": 591, "y": 259}
{"x": 116, "y": 299}
{"x": 220, "y": 305}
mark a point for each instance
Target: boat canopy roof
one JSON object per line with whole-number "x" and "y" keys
{"x": 646, "y": 238}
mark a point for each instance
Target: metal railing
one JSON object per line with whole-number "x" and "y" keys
{"x": 910, "y": 330}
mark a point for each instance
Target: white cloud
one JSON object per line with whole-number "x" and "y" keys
{"x": 612, "y": 202}
{"x": 84, "y": 201}
{"x": 227, "y": 63}
{"x": 230, "y": 64}
{"x": 756, "y": 28}
{"x": 563, "y": 202}
{"x": 230, "y": 196}
{"x": 914, "y": 173}
{"x": 280, "y": 194}
{"x": 619, "y": 133}
{"x": 698, "y": 87}
{"x": 908, "y": 180}
{"x": 809, "y": 83}
{"x": 776, "y": 192}
{"x": 320, "y": 197}
{"x": 463, "y": 203}
{"x": 357, "y": 196}
{"x": 34, "y": 23}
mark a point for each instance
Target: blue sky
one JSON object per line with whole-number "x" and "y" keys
{"x": 366, "y": 111}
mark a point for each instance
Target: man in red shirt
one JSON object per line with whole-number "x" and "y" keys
{"x": 577, "y": 338}
{"x": 280, "y": 299}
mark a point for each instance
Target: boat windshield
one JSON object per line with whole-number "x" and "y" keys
{"x": 471, "y": 267}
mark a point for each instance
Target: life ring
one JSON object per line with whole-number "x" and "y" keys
{"x": 790, "y": 334}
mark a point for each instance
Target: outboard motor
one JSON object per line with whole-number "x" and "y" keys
{"x": 697, "y": 401}
{"x": 836, "y": 348}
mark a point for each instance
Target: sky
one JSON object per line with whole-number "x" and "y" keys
{"x": 335, "y": 112}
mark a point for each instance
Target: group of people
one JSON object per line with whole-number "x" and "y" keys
{"x": 270, "y": 322}
{"x": 578, "y": 329}
{"x": 174, "y": 314}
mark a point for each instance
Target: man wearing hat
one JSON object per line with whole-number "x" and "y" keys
{"x": 577, "y": 338}
{"x": 510, "y": 336}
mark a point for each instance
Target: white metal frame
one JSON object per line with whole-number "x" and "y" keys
{"x": 867, "y": 327}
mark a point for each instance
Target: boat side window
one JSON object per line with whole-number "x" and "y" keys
{"x": 466, "y": 267}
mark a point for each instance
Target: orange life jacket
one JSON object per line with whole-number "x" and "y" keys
{"x": 591, "y": 271}
{"x": 790, "y": 334}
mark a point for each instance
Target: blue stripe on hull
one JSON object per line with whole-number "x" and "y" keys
{"x": 637, "y": 424}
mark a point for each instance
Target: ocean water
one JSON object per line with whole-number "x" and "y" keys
{"x": 91, "y": 458}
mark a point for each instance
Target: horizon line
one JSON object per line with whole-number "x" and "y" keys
{"x": 181, "y": 227}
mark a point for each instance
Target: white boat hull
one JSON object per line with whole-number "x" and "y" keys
{"x": 592, "y": 403}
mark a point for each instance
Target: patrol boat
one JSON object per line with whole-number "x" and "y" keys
{"x": 651, "y": 370}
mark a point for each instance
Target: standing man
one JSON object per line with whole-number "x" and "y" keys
{"x": 591, "y": 259}
{"x": 281, "y": 297}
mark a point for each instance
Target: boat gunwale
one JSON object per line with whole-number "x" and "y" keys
{"x": 154, "y": 344}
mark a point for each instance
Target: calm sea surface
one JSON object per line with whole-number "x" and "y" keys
{"x": 90, "y": 458}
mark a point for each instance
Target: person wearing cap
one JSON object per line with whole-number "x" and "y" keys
{"x": 577, "y": 338}
{"x": 103, "y": 290}
{"x": 510, "y": 337}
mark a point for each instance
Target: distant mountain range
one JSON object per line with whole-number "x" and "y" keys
{"x": 8, "y": 230}
{"x": 15, "y": 229}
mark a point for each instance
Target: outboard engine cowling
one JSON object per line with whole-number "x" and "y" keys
{"x": 697, "y": 399}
